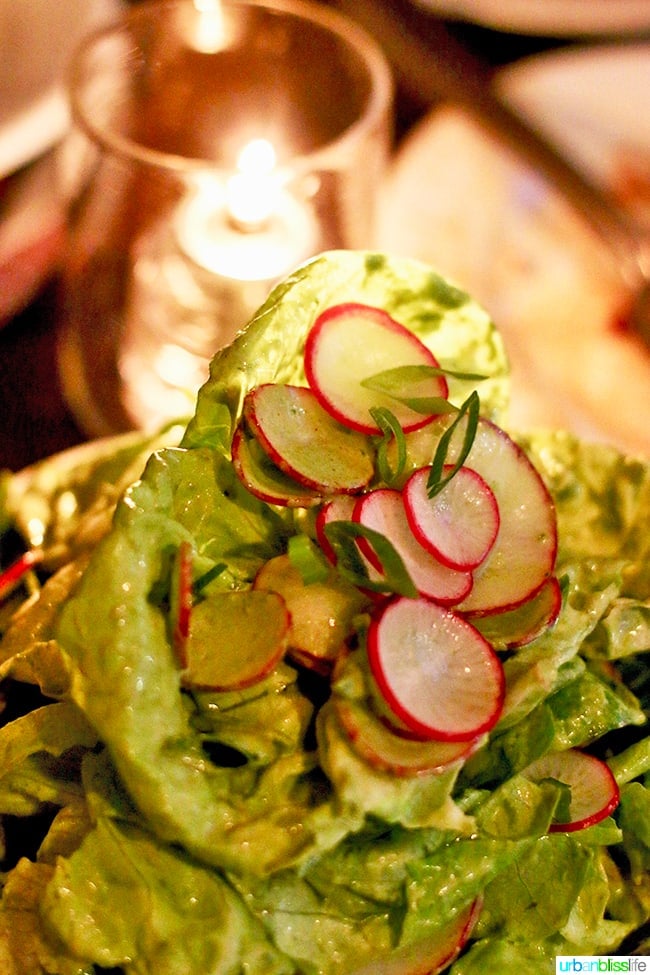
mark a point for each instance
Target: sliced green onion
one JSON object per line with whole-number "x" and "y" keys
{"x": 343, "y": 535}
{"x": 307, "y": 559}
{"x": 427, "y": 405}
{"x": 395, "y": 382}
{"x": 392, "y": 380}
{"x": 208, "y": 576}
{"x": 471, "y": 409}
{"x": 391, "y": 429}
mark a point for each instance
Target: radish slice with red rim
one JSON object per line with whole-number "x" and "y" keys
{"x": 460, "y": 523}
{"x": 350, "y": 343}
{"x": 226, "y": 648}
{"x": 388, "y": 751}
{"x": 594, "y": 790}
{"x": 430, "y": 955}
{"x": 437, "y": 674}
{"x": 263, "y": 479}
{"x": 321, "y": 612}
{"x": 304, "y": 441}
{"x": 383, "y": 511}
{"x": 338, "y": 508}
{"x": 524, "y": 551}
{"x": 510, "y": 629}
{"x": 341, "y": 509}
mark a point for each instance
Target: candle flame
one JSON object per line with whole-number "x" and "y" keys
{"x": 205, "y": 27}
{"x": 252, "y": 191}
{"x": 248, "y": 228}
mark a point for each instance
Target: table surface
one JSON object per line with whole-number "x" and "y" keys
{"x": 36, "y": 421}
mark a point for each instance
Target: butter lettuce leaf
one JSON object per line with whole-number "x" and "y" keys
{"x": 175, "y": 914}
{"x": 602, "y": 499}
{"x": 126, "y": 678}
{"x": 33, "y": 750}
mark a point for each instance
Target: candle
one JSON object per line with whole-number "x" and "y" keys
{"x": 215, "y": 146}
{"x": 199, "y": 275}
{"x": 250, "y": 228}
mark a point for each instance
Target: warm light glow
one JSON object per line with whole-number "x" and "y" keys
{"x": 252, "y": 193}
{"x": 36, "y": 531}
{"x": 204, "y": 26}
{"x": 249, "y": 227}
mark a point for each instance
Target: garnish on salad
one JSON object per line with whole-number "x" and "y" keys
{"x": 347, "y": 678}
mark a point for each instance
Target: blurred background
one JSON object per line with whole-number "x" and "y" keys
{"x": 454, "y": 192}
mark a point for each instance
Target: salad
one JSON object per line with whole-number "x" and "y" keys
{"x": 344, "y": 677}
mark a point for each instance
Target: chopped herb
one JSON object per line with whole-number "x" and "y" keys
{"x": 343, "y": 535}
{"x": 470, "y": 409}
{"x": 307, "y": 559}
{"x": 391, "y": 429}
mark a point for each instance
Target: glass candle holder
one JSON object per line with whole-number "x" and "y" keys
{"x": 216, "y": 145}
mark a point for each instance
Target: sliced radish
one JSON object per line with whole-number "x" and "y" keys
{"x": 14, "y": 574}
{"x": 383, "y": 511}
{"x": 513, "y": 628}
{"x": 227, "y": 649}
{"x": 381, "y": 748}
{"x": 437, "y": 674}
{"x": 352, "y": 342}
{"x": 263, "y": 479}
{"x": 523, "y": 554}
{"x": 339, "y": 508}
{"x": 432, "y": 954}
{"x": 460, "y": 523}
{"x": 594, "y": 790}
{"x": 321, "y": 613}
{"x": 304, "y": 441}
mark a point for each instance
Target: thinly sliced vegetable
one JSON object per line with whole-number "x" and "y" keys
{"x": 227, "y": 649}
{"x": 594, "y": 791}
{"x": 305, "y": 556}
{"x": 266, "y": 481}
{"x": 440, "y": 471}
{"x": 437, "y": 674}
{"x": 431, "y": 955}
{"x": 524, "y": 552}
{"x": 383, "y": 511}
{"x": 321, "y": 613}
{"x": 403, "y": 383}
{"x": 392, "y": 433}
{"x": 305, "y": 442}
{"x": 388, "y": 751}
{"x": 459, "y": 524}
{"x": 339, "y": 508}
{"x": 347, "y": 539}
{"x": 351, "y": 342}
{"x": 511, "y": 628}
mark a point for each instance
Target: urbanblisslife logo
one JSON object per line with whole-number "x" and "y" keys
{"x": 604, "y": 963}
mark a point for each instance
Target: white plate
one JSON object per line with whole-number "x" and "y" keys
{"x": 553, "y": 18}
{"x": 456, "y": 199}
{"x": 37, "y": 39}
